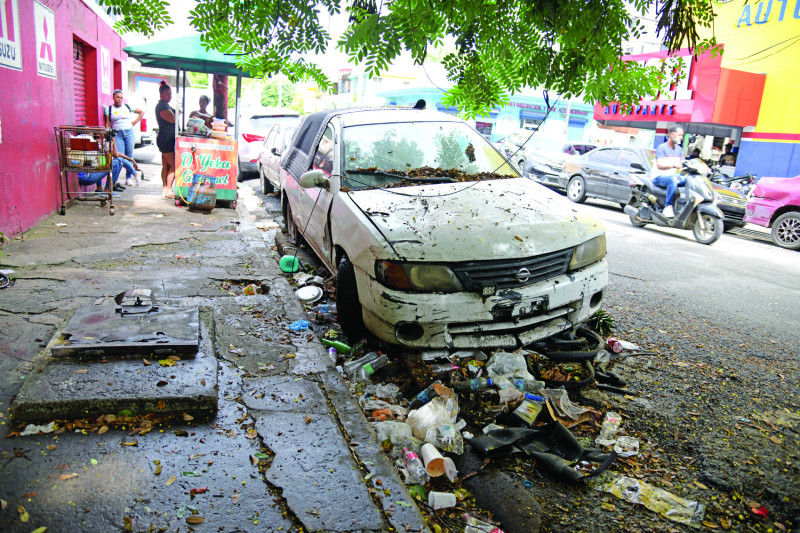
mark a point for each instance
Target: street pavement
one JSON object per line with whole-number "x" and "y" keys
{"x": 288, "y": 447}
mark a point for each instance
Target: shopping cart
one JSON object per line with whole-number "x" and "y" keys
{"x": 84, "y": 149}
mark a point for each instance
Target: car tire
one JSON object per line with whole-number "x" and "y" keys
{"x": 266, "y": 185}
{"x": 348, "y": 306}
{"x": 576, "y": 189}
{"x": 292, "y": 232}
{"x": 705, "y": 236}
{"x": 786, "y": 230}
{"x": 239, "y": 173}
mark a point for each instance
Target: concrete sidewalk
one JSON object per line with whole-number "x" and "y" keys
{"x": 288, "y": 446}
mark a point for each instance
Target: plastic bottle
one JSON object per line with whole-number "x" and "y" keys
{"x": 443, "y": 368}
{"x": 502, "y": 382}
{"x": 373, "y": 366}
{"x": 528, "y": 411}
{"x": 479, "y": 526}
{"x": 609, "y": 429}
{"x": 416, "y": 470}
{"x": 471, "y": 385}
{"x": 325, "y": 308}
{"x": 355, "y": 365}
{"x": 425, "y": 396}
{"x": 333, "y": 354}
{"x": 341, "y": 347}
{"x": 527, "y": 385}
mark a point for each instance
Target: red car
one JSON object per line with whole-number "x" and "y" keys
{"x": 775, "y": 203}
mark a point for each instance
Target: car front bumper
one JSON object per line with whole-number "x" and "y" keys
{"x": 759, "y": 211}
{"x": 548, "y": 179}
{"x": 508, "y": 319}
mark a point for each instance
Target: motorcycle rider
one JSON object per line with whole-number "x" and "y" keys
{"x": 669, "y": 159}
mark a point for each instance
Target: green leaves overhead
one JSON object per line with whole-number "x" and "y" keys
{"x": 570, "y": 47}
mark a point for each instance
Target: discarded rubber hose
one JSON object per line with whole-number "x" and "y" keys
{"x": 609, "y": 378}
{"x": 576, "y": 344}
{"x": 615, "y": 390}
{"x": 568, "y": 385}
{"x": 571, "y": 357}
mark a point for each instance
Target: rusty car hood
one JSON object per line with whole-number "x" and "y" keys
{"x": 496, "y": 219}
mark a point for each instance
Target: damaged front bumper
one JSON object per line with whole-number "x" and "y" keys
{"x": 510, "y": 318}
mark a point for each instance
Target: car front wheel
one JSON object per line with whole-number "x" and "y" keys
{"x": 576, "y": 189}
{"x": 348, "y": 306}
{"x": 266, "y": 186}
{"x": 786, "y": 230}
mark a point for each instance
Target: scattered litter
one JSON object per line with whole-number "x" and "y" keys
{"x": 666, "y": 504}
{"x": 300, "y": 325}
{"x": 609, "y": 429}
{"x": 33, "y": 429}
{"x": 441, "y": 500}
{"x": 627, "y": 446}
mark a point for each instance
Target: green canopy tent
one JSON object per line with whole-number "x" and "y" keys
{"x": 188, "y": 54}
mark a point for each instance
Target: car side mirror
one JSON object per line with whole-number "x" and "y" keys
{"x": 638, "y": 166}
{"x": 275, "y": 151}
{"x": 315, "y": 178}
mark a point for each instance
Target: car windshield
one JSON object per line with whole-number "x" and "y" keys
{"x": 410, "y": 153}
{"x": 547, "y": 144}
{"x": 261, "y": 122}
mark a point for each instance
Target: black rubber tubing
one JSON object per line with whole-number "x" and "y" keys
{"x": 569, "y": 385}
{"x": 616, "y": 390}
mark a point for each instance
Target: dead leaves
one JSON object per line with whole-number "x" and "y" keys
{"x": 171, "y": 480}
{"x": 81, "y": 371}
{"x": 23, "y": 514}
{"x": 67, "y": 476}
{"x": 194, "y": 520}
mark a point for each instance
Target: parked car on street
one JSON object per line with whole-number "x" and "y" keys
{"x": 542, "y": 158}
{"x": 435, "y": 240}
{"x": 269, "y": 158}
{"x": 143, "y": 133}
{"x": 606, "y": 173}
{"x": 775, "y": 203}
{"x": 255, "y": 124}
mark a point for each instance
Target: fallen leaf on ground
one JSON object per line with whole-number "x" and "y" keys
{"x": 131, "y": 443}
{"x": 39, "y": 530}
{"x": 3, "y": 505}
{"x": 68, "y": 476}
{"x": 102, "y": 430}
{"x": 23, "y": 514}
{"x": 195, "y": 519}
{"x": 146, "y": 362}
{"x": 710, "y": 525}
{"x": 171, "y": 480}
{"x": 157, "y": 471}
{"x": 309, "y": 419}
{"x": 81, "y": 371}
{"x": 700, "y": 485}
{"x": 201, "y": 490}
{"x": 776, "y": 440}
{"x": 29, "y": 494}
{"x": 725, "y": 523}
{"x": 166, "y": 362}
{"x": 187, "y": 417}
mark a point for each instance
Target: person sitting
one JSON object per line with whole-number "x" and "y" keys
{"x": 118, "y": 162}
{"x": 728, "y": 158}
{"x": 203, "y": 111}
{"x": 669, "y": 159}
{"x": 695, "y": 154}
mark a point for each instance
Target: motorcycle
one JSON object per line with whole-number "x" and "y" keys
{"x": 743, "y": 184}
{"x": 694, "y": 209}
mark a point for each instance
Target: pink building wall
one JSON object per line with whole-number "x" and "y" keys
{"x": 32, "y": 105}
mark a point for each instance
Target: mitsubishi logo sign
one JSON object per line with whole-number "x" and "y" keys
{"x": 44, "y": 23}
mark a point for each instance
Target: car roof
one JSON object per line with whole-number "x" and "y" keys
{"x": 359, "y": 116}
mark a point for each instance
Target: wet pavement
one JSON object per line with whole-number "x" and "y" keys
{"x": 287, "y": 448}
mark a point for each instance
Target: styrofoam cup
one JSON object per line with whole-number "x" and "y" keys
{"x": 434, "y": 462}
{"x": 441, "y": 500}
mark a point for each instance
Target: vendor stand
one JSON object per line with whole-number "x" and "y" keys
{"x": 215, "y": 157}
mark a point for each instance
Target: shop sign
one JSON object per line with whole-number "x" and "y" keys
{"x": 760, "y": 13}
{"x": 105, "y": 70}
{"x": 10, "y": 38}
{"x": 45, "y": 26}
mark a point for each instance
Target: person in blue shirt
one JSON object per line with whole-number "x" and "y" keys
{"x": 669, "y": 159}
{"x": 118, "y": 162}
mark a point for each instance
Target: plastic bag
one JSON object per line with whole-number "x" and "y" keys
{"x": 437, "y": 411}
{"x": 398, "y": 433}
{"x": 372, "y": 404}
{"x": 446, "y": 437}
{"x": 508, "y": 364}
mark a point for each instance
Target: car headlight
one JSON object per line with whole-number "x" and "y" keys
{"x": 588, "y": 252}
{"x": 423, "y": 277}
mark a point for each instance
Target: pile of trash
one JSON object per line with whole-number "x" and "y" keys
{"x": 432, "y": 410}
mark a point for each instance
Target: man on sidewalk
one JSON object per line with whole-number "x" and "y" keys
{"x": 669, "y": 159}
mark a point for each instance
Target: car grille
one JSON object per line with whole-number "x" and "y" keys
{"x": 503, "y": 274}
{"x": 732, "y": 213}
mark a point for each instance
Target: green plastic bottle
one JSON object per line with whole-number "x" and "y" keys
{"x": 339, "y": 345}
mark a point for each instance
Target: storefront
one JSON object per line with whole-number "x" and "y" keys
{"x": 59, "y": 62}
{"x": 748, "y": 95}
{"x": 523, "y": 112}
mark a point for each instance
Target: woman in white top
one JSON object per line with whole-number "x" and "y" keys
{"x": 122, "y": 119}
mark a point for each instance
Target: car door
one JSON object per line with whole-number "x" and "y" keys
{"x": 619, "y": 188}
{"x": 312, "y": 213}
{"x": 264, "y": 154}
{"x": 274, "y": 150}
{"x": 598, "y": 168}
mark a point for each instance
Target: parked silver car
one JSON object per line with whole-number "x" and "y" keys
{"x": 269, "y": 158}
{"x": 538, "y": 156}
{"x": 435, "y": 240}
{"x": 255, "y": 124}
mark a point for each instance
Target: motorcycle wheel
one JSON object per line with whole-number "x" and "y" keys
{"x": 712, "y": 230}
{"x": 636, "y": 223}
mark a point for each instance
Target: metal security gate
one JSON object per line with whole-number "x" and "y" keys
{"x": 79, "y": 83}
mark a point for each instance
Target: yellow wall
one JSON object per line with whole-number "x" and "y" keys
{"x": 764, "y": 37}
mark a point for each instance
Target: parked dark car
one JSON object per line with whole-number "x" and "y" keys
{"x": 269, "y": 158}
{"x": 583, "y": 148}
{"x": 607, "y": 172}
{"x": 539, "y": 157}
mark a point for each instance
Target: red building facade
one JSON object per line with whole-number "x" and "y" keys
{"x": 59, "y": 63}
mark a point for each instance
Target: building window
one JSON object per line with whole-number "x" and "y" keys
{"x": 344, "y": 85}
{"x": 529, "y": 123}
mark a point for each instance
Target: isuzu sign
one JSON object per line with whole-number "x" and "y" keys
{"x": 10, "y": 38}
{"x": 44, "y": 23}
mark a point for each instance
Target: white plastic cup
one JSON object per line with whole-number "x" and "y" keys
{"x": 441, "y": 500}
{"x": 434, "y": 462}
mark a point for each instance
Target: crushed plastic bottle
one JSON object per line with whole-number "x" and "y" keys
{"x": 609, "y": 429}
{"x": 627, "y": 446}
{"x": 471, "y": 385}
{"x": 351, "y": 367}
{"x": 370, "y": 368}
{"x": 416, "y": 469}
{"x": 425, "y": 395}
{"x": 479, "y": 526}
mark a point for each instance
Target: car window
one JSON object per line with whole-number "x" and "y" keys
{"x": 548, "y": 144}
{"x": 605, "y": 157}
{"x": 265, "y": 122}
{"x": 287, "y": 137}
{"x": 626, "y": 157}
{"x": 270, "y": 140}
{"x": 386, "y": 154}
{"x": 323, "y": 158}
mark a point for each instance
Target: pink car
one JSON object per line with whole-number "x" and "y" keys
{"x": 775, "y": 203}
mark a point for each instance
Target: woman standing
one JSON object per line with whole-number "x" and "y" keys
{"x": 120, "y": 118}
{"x": 165, "y": 116}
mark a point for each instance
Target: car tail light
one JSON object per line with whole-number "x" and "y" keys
{"x": 250, "y": 137}
{"x": 144, "y": 124}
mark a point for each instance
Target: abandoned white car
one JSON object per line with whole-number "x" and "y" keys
{"x": 435, "y": 240}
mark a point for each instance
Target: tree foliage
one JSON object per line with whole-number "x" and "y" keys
{"x": 571, "y": 47}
